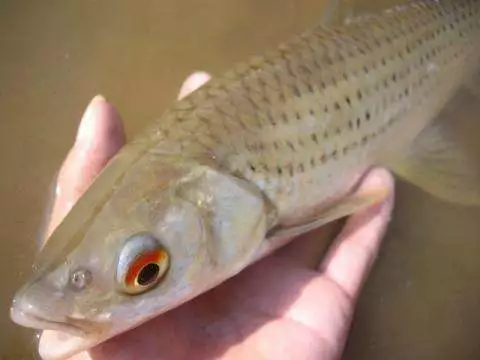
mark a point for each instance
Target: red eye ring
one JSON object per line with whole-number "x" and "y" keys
{"x": 149, "y": 263}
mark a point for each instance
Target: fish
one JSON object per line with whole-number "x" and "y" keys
{"x": 272, "y": 149}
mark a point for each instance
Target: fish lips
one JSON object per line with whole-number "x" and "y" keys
{"x": 25, "y": 313}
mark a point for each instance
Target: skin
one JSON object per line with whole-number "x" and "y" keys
{"x": 285, "y": 306}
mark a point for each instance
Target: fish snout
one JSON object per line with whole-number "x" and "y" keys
{"x": 47, "y": 309}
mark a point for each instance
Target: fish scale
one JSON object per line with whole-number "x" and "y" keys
{"x": 321, "y": 104}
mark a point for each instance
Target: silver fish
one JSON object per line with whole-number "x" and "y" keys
{"x": 268, "y": 151}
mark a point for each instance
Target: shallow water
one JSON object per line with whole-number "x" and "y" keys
{"x": 423, "y": 298}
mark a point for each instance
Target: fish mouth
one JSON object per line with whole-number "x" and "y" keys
{"x": 25, "y": 315}
{"x": 23, "y": 318}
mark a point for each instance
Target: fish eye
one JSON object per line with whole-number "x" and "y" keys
{"x": 141, "y": 265}
{"x": 148, "y": 274}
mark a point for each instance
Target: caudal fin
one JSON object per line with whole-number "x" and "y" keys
{"x": 444, "y": 159}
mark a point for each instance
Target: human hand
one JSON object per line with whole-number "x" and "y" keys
{"x": 283, "y": 307}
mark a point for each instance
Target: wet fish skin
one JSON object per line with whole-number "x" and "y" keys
{"x": 329, "y": 100}
{"x": 271, "y": 145}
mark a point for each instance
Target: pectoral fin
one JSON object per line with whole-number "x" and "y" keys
{"x": 347, "y": 206}
{"x": 444, "y": 160}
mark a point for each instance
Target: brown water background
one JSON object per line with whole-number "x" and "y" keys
{"x": 422, "y": 300}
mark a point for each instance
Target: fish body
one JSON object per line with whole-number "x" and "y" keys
{"x": 305, "y": 122}
{"x": 253, "y": 157}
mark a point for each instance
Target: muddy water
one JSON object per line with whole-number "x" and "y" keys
{"x": 423, "y": 298}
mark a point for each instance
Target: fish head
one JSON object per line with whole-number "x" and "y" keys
{"x": 151, "y": 233}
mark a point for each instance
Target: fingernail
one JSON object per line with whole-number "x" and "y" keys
{"x": 193, "y": 82}
{"x": 86, "y": 128}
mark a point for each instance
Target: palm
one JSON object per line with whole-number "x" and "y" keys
{"x": 273, "y": 308}
{"x": 283, "y": 307}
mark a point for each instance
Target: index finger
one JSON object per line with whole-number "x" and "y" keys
{"x": 100, "y": 135}
{"x": 350, "y": 257}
